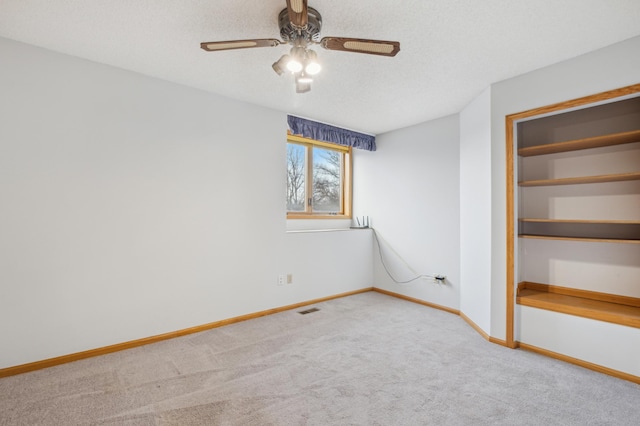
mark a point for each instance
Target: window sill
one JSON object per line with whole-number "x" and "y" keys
{"x": 318, "y": 216}
{"x": 320, "y": 224}
{"x": 309, "y": 231}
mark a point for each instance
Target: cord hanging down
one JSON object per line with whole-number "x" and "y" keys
{"x": 438, "y": 278}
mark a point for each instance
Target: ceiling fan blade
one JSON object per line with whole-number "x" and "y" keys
{"x": 361, "y": 45}
{"x": 214, "y": 46}
{"x": 298, "y": 13}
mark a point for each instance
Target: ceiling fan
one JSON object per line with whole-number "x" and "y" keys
{"x": 300, "y": 27}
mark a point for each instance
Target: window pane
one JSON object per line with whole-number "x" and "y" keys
{"x": 327, "y": 170}
{"x": 296, "y": 177}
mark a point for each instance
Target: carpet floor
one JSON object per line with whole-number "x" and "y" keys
{"x": 367, "y": 359}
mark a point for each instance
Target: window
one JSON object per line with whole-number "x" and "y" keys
{"x": 318, "y": 179}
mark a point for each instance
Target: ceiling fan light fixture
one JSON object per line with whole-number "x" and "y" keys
{"x": 303, "y": 82}
{"x": 312, "y": 66}
{"x": 294, "y": 65}
{"x": 280, "y": 66}
{"x": 304, "y": 78}
{"x": 297, "y": 55}
{"x": 302, "y": 87}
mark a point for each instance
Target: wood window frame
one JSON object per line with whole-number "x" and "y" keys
{"x": 347, "y": 178}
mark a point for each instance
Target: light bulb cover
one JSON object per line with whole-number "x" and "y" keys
{"x": 304, "y": 78}
{"x": 302, "y": 87}
{"x": 312, "y": 66}
{"x": 297, "y": 55}
{"x": 294, "y": 66}
{"x": 280, "y": 66}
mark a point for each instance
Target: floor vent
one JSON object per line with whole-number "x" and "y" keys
{"x": 308, "y": 311}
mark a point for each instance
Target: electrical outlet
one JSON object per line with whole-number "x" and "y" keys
{"x": 281, "y": 279}
{"x": 289, "y": 278}
{"x": 440, "y": 279}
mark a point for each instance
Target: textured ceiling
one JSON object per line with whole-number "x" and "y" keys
{"x": 450, "y": 49}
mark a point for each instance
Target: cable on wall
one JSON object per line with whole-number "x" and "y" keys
{"x": 437, "y": 278}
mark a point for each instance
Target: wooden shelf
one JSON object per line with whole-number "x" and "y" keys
{"x": 581, "y": 230}
{"x": 611, "y": 308}
{"x": 578, "y": 144}
{"x": 589, "y": 240}
{"x": 615, "y": 222}
{"x": 618, "y": 177}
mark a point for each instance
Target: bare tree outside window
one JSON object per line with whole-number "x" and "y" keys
{"x": 327, "y": 168}
{"x": 296, "y": 177}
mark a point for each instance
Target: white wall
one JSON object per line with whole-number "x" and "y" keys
{"x": 609, "y": 68}
{"x": 328, "y": 262}
{"x": 410, "y": 189}
{"x": 133, "y": 207}
{"x": 475, "y": 210}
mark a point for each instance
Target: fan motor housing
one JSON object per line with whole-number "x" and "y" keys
{"x": 310, "y": 33}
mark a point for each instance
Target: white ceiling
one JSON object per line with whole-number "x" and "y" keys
{"x": 450, "y": 49}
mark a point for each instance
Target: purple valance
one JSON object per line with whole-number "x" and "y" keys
{"x": 326, "y": 133}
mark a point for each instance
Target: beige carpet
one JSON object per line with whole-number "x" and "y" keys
{"x": 368, "y": 359}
